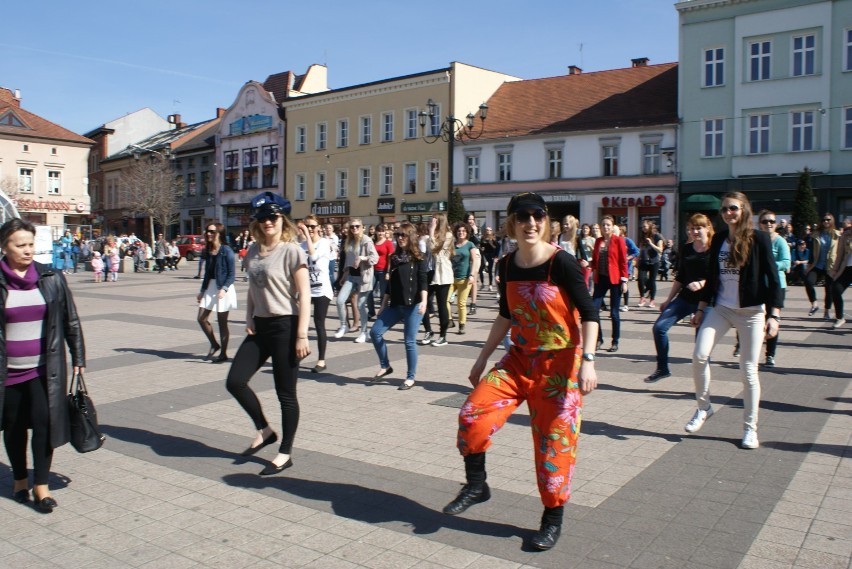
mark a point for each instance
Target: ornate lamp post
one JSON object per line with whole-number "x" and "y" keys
{"x": 451, "y": 128}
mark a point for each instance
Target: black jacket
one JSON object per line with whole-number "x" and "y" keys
{"x": 62, "y": 327}
{"x": 406, "y": 282}
{"x": 759, "y": 282}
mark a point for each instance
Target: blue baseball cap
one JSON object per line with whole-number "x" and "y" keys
{"x": 267, "y": 203}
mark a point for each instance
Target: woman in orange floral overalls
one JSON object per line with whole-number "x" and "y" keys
{"x": 545, "y": 300}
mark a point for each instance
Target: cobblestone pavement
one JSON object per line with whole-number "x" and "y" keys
{"x": 374, "y": 465}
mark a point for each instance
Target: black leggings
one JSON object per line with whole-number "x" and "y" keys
{"x": 811, "y": 280}
{"x": 648, "y": 280}
{"x": 837, "y": 289}
{"x": 487, "y": 265}
{"x": 275, "y": 337}
{"x": 25, "y": 407}
{"x": 320, "y": 312}
{"x": 441, "y": 293}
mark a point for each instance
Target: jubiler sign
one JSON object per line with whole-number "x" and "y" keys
{"x": 326, "y": 209}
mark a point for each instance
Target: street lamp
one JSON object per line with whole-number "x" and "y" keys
{"x": 451, "y": 128}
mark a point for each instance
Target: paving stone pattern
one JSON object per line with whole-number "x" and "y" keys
{"x": 373, "y": 466}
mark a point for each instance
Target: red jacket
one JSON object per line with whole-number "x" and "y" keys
{"x": 616, "y": 257}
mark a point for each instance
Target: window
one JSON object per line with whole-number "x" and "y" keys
{"x": 472, "y": 169}
{"x": 204, "y": 161}
{"x": 53, "y": 151}
{"x": 714, "y": 138}
{"x": 250, "y": 177}
{"x": 803, "y": 131}
{"x": 410, "y": 184}
{"x": 804, "y": 55}
{"x": 847, "y": 127}
{"x": 847, "y": 51}
{"x": 435, "y": 122}
{"x": 26, "y": 146}
{"x": 54, "y": 182}
{"x": 342, "y": 184}
{"x": 554, "y": 163}
{"x": 343, "y": 133}
{"x": 758, "y": 134}
{"x": 387, "y": 127}
{"x": 366, "y": 130}
{"x": 387, "y": 181}
{"x": 714, "y": 67}
{"x": 322, "y": 136}
{"x": 232, "y": 170}
{"x": 270, "y": 166}
{"x": 433, "y": 176}
{"x": 610, "y": 160}
{"x": 300, "y": 187}
{"x": 205, "y": 183}
{"x": 411, "y": 123}
{"x": 319, "y": 187}
{"x": 364, "y": 181}
{"x": 301, "y": 138}
{"x": 190, "y": 163}
{"x": 504, "y": 167}
{"x": 652, "y": 159}
{"x": 25, "y": 180}
{"x": 191, "y": 188}
{"x": 759, "y": 59}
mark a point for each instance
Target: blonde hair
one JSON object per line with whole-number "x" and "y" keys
{"x": 570, "y": 224}
{"x": 288, "y": 230}
{"x": 441, "y": 231}
{"x": 511, "y": 222}
{"x": 742, "y": 236}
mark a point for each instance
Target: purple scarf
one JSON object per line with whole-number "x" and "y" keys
{"x": 15, "y": 282}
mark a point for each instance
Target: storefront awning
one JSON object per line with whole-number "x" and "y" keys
{"x": 700, "y": 202}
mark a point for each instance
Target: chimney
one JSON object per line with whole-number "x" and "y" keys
{"x": 175, "y": 120}
{"x": 640, "y": 62}
{"x": 220, "y": 112}
{"x": 18, "y": 97}
{"x": 574, "y": 70}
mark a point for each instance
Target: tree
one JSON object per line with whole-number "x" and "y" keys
{"x": 149, "y": 187}
{"x": 804, "y": 207}
{"x": 455, "y": 209}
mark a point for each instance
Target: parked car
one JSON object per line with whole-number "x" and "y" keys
{"x": 190, "y": 246}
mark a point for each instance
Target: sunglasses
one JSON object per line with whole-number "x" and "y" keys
{"x": 210, "y": 231}
{"x": 766, "y": 221}
{"x": 727, "y": 208}
{"x": 400, "y": 234}
{"x": 524, "y": 216}
{"x": 827, "y": 219}
{"x": 273, "y": 217}
{"x": 351, "y": 227}
{"x": 311, "y": 226}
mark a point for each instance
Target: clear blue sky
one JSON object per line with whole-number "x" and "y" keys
{"x": 81, "y": 64}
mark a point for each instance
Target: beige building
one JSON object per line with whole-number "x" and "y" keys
{"x": 359, "y": 151}
{"x": 43, "y": 167}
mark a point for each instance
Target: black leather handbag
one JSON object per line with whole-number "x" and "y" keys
{"x": 85, "y": 434}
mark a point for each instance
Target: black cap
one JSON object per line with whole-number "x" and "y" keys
{"x": 526, "y": 201}
{"x": 267, "y": 203}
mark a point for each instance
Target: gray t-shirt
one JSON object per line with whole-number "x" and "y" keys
{"x": 272, "y": 290}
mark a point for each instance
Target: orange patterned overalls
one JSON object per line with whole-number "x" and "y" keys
{"x": 541, "y": 368}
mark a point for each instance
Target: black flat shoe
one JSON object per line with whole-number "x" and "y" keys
{"x": 657, "y": 376}
{"x": 406, "y": 385}
{"x": 613, "y": 348}
{"x": 319, "y": 368}
{"x": 546, "y": 537}
{"x": 212, "y": 351}
{"x": 221, "y": 359}
{"x": 22, "y": 496}
{"x": 45, "y": 505}
{"x": 468, "y": 496}
{"x": 267, "y": 441}
{"x": 382, "y": 374}
{"x": 271, "y": 469}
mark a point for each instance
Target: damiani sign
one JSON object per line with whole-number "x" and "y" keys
{"x": 325, "y": 209}
{"x": 634, "y": 201}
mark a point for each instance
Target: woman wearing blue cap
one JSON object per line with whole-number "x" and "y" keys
{"x": 277, "y": 319}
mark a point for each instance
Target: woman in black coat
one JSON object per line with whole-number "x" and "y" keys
{"x": 38, "y": 316}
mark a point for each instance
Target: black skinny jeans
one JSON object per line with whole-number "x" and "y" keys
{"x": 837, "y": 289}
{"x": 441, "y": 293}
{"x": 810, "y": 281}
{"x": 275, "y": 337}
{"x": 320, "y": 312}
{"x": 24, "y": 407}
{"x": 648, "y": 280}
{"x": 488, "y": 266}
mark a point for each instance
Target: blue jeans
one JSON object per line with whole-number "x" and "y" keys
{"x": 411, "y": 321}
{"x": 343, "y": 297}
{"x": 675, "y": 311}
{"x": 614, "y": 290}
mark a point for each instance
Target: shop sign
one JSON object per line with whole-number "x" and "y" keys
{"x": 422, "y": 207}
{"x": 634, "y": 201}
{"x": 251, "y": 123}
{"x": 238, "y": 215}
{"x": 559, "y": 197}
{"x": 386, "y": 205}
{"x": 32, "y": 205}
{"x": 326, "y": 209}
{"x": 196, "y": 212}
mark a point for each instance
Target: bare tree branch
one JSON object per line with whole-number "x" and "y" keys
{"x": 149, "y": 187}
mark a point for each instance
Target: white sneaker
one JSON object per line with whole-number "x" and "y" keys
{"x": 362, "y": 337}
{"x": 623, "y": 308}
{"x": 697, "y": 420}
{"x": 341, "y": 331}
{"x": 750, "y": 439}
{"x": 838, "y": 323}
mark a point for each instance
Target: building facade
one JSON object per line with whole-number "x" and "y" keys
{"x": 43, "y": 168}
{"x": 359, "y": 151}
{"x": 590, "y": 143}
{"x": 195, "y": 166}
{"x": 765, "y": 92}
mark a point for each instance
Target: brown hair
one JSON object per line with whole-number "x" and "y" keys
{"x": 702, "y": 220}
{"x": 742, "y": 236}
{"x": 412, "y": 248}
{"x": 220, "y": 231}
{"x": 441, "y": 231}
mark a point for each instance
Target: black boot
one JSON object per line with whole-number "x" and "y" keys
{"x": 476, "y": 490}
{"x": 551, "y": 528}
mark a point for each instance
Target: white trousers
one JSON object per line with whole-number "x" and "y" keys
{"x": 750, "y": 323}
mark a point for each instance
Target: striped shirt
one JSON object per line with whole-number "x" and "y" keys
{"x": 25, "y": 339}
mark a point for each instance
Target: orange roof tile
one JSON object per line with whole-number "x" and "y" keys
{"x": 630, "y": 97}
{"x": 37, "y": 127}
